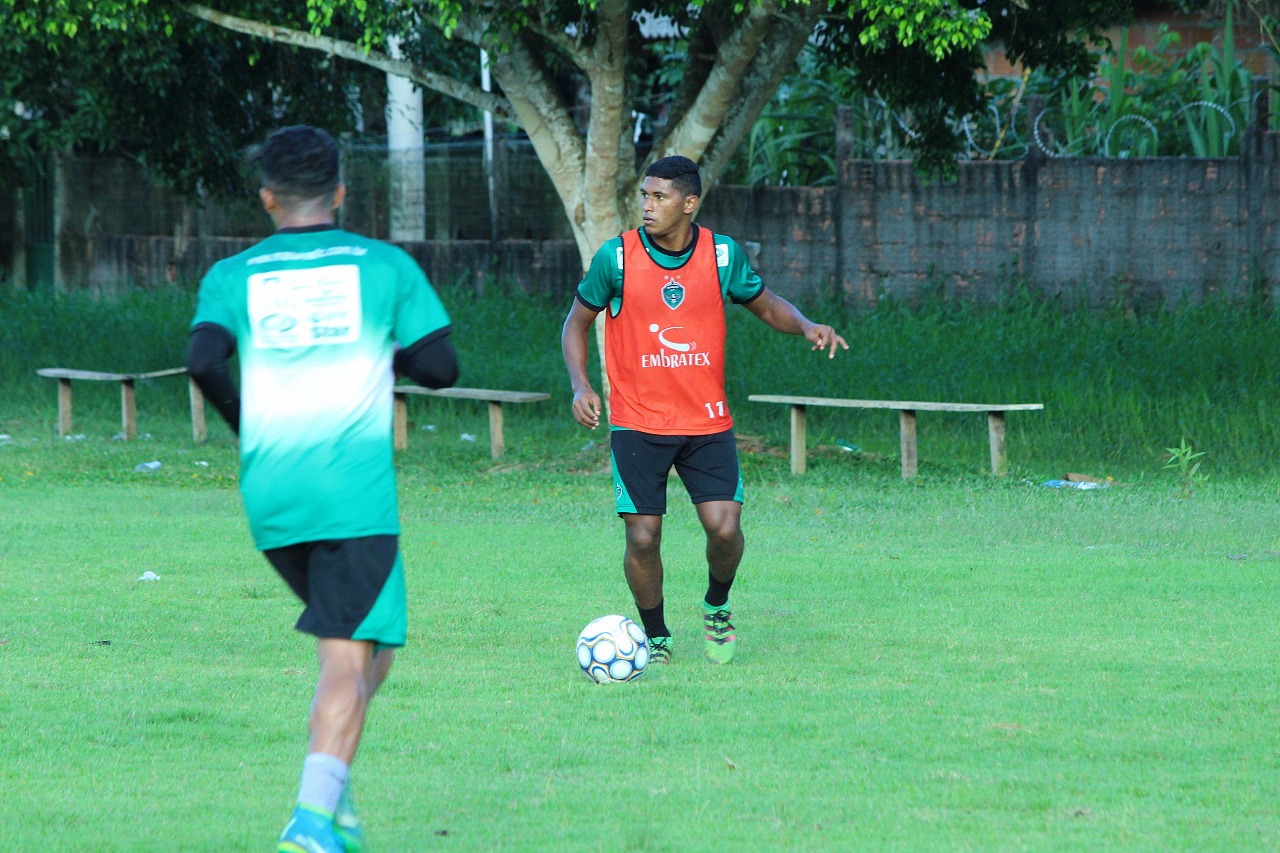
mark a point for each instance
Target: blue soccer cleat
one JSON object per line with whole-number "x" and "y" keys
{"x": 309, "y": 831}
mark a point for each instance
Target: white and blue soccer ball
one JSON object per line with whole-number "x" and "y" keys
{"x": 612, "y": 649}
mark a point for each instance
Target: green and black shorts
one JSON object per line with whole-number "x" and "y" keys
{"x": 353, "y": 589}
{"x": 706, "y": 464}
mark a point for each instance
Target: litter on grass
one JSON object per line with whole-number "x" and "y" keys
{"x": 1081, "y": 482}
{"x": 149, "y": 576}
{"x": 1071, "y": 484}
{"x": 147, "y": 467}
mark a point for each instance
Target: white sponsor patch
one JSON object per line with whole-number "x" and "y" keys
{"x": 302, "y": 308}
{"x": 722, "y": 255}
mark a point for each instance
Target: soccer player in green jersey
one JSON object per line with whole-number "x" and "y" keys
{"x": 665, "y": 287}
{"x": 322, "y": 320}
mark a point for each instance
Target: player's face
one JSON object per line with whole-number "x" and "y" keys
{"x": 666, "y": 211}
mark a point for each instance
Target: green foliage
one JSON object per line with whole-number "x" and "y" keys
{"x": 793, "y": 141}
{"x": 1118, "y": 386}
{"x": 185, "y": 97}
{"x": 1186, "y": 462}
{"x": 939, "y": 27}
{"x": 1170, "y": 102}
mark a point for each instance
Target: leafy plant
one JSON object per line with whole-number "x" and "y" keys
{"x": 1166, "y": 101}
{"x": 1185, "y": 460}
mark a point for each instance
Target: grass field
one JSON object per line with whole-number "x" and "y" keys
{"x": 954, "y": 663}
{"x": 941, "y": 665}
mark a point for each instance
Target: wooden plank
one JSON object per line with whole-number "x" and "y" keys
{"x": 907, "y": 442}
{"x": 908, "y": 405}
{"x": 799, "y": 438}
{"x": 495, "y": 399}
{"x": 400, "y": 422}
{"x": 906, "y": 424}
{"x": 64, "y": 407}
{"x": 995, "y": 434}
{"x": 487, "y": 394}
{"x": 128, "y": 397}
{"x": 199, "y": 429}
{"x": 128, "y": 410}
{"x": 101, "y": 376}
{"x": 497, "y": 444}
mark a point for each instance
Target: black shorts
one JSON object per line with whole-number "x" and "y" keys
{"x": 353, "y": 588}
{"x": 706, "y": 464}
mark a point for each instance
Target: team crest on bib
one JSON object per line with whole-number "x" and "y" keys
{"x": 673, "y": 293}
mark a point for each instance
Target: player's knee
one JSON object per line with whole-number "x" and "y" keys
{"x": 722, "y": 527}
{"x": 725, "y": 535}
{"x": 643, "y": 538}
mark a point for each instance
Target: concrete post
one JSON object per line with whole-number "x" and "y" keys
{"x": 405, "y": 156}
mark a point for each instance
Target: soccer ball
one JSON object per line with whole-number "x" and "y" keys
{"x": 612, "y": 649}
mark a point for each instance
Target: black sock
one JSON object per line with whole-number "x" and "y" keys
{"x": 654, "y": 623}
{"x": 717, "y": 591}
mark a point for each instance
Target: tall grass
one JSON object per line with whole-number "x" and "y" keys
{"x": 1118, "y": 386}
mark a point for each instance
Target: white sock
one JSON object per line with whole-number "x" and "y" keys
{"x": 323, "y": 778}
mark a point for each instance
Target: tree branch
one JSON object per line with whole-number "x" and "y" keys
{"x": 760, "y": 83}
{"x": 696, "y": 128}
{"x": 610, "y": 113}
{"x": 546, "y": 119}
{"x": 443, "y": 84}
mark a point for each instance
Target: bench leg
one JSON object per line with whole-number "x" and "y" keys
{"x": 995, "y": 432}
{"x": 128, "y": 410}
{"x": 64, "y": 408}
{"x": 907, "y": 442}
{"x": 799, "y": 439}
{"x": 497, "y": 444}
{"x": 400, "y": 422}
{"x": 199, "y": 429}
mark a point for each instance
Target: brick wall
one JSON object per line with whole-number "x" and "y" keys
{"x": 1092, "y": 230}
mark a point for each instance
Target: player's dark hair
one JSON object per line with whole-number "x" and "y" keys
{"x": 299, "y": 163}
{"x": 680, "y": 171}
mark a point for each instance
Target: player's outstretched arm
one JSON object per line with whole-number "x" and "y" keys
{"x": 573, "y": 343}
{"x": 780, "y": 314}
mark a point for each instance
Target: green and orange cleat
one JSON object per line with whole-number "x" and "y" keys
{"x": 660, "y": 650}
{"x": 720, "y": 639}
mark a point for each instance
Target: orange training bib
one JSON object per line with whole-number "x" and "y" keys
{"x": 664, "y": 351}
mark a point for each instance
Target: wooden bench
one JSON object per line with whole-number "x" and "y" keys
{"x": 906, "y": 420}
{"x": 128, "y": 405}
{"x": 495, "y": 399}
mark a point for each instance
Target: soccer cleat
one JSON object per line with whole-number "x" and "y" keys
{"x": 346, "y": 824}
{"x": 309, "y": 831}
{"x": 660, "y": 650}
{"x": 720, "y": 640}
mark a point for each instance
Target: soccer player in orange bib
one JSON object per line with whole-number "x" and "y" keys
{"x": 665, "y": 285}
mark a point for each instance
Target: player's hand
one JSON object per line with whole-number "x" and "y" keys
{"x": 586, "y": 408}
{"x": 825, "y": 337}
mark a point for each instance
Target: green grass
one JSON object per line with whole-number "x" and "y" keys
{"x": 958, "y": 662}
{"x": 950, "y": 665}
{"x": 1118, "y": 387}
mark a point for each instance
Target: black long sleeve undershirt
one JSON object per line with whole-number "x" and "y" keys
{"x": 430, "y": 361}
{"x": 208, "y": 352}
